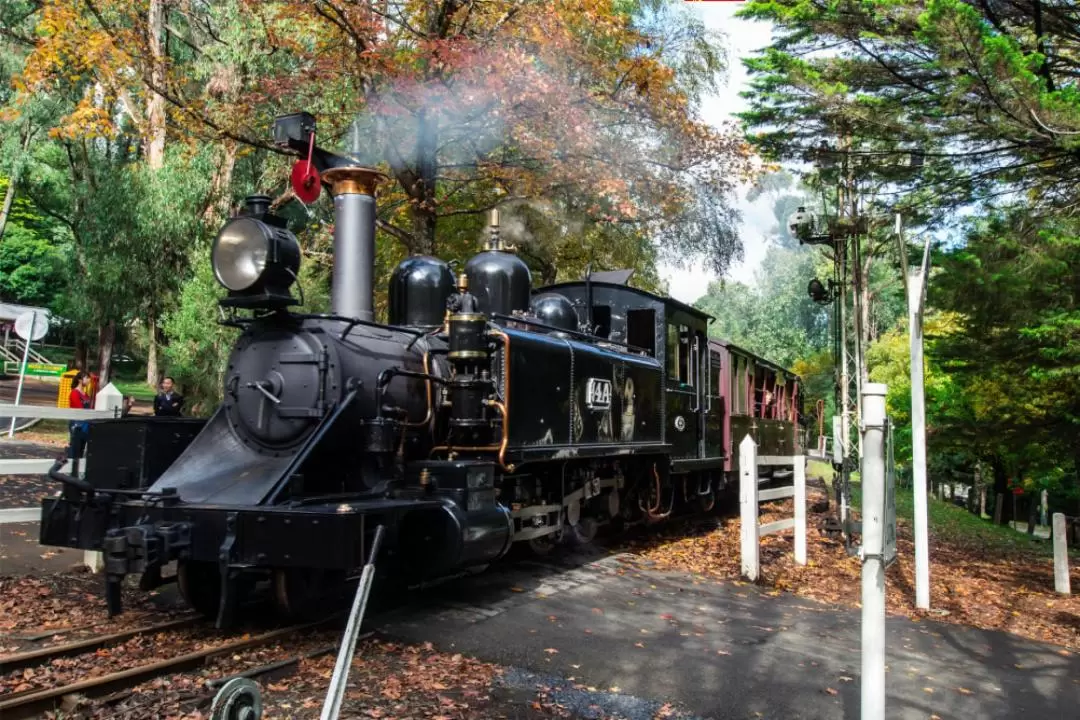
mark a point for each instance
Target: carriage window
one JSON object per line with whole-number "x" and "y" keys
{"x": 679, "y": 349}
{"x": 737, "y": 371}
{"x": 716, "y": 375}
{"x": 601, "y": 318}
{"x": 673, "y": 352}
{"x": 641, "y": 329}
{"x": 680, "y": 363}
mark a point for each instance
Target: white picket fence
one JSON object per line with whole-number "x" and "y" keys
{"x": 750, "y": 498}
{"x": 109, "y": 402}
{"x": 35, "y": 466}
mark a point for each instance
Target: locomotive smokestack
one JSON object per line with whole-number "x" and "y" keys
{"x": 352, "y": 291}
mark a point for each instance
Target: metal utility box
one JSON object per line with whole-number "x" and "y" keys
{"x": 131, "y": 453}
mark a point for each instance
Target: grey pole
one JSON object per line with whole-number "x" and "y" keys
{"x": 335, "y": 694}
{"x": 915, "y": 295}
{"x": 352, "y": 291}
{"x": 22, "y": 370}
{"x": 873, "y": 552}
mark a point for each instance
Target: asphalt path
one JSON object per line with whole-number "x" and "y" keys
{"x": 614, "y": 635}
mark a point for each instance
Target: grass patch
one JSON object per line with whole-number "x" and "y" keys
{"x": 135, "y": 388}
{"x": 956, "y": 526}
{"x": 130, "y": 381}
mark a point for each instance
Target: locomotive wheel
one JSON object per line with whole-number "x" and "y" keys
{"x": 238, "y": 699}
{"x": 542, "y": 546}
{"x": 707, "y": 501}
{"x": 300, "y": 592}
{"x": 585, "y": 530}
{"x": 613, "y": 505}
{"x": 200, "y": 586}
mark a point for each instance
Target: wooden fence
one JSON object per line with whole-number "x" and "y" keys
{"x": 750, "y": 497}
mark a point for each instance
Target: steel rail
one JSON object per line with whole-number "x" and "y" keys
{"x": 8, "y": 663}
{"x": 33, "y": 703}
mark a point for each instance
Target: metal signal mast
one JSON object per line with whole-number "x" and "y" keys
{"x": 843, "y": 234}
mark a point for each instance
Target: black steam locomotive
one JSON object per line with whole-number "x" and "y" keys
{"x": 484, "y": 414}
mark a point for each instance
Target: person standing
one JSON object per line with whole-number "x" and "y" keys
{"x": 168, "y": 402}
{"x": 79, "y": 399}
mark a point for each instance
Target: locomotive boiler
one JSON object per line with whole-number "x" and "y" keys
{"x": 484, "y": 413}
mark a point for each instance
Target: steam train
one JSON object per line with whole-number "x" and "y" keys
{"x": 485, "y": 413}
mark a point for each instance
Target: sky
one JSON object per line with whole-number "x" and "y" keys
{"x": 743, "y": 38}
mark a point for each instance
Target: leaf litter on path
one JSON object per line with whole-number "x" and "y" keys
{"x": 1013, "y": 593}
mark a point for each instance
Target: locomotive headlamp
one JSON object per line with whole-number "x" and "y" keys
{"x": 801, "y": 224}
{"x": 256, "y": 258}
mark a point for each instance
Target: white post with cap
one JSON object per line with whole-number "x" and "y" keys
{"x": 873, "y": 552}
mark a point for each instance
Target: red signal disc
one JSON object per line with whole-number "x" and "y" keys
{"x": 305, "y": 181}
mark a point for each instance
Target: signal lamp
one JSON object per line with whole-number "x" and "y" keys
{"x": 256, "y": 258}
{"x": 819, "y": 293}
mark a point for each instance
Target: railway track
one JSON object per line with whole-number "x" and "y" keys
{"x": 33, "y": 702}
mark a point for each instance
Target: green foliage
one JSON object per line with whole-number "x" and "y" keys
{"x": 985, "y": 91}
{"x": 32, "y": 269}
{"x": 776, "y": 318}
{"x": 199, "y": 347}
{"x": 1016, "y": 353}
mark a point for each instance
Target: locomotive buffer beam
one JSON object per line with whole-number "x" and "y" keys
{"x": 141, "y": 549}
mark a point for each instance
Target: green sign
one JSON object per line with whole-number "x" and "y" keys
{"x": 36, "y": 369}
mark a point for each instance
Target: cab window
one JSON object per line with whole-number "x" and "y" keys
{"x": 679, "y": 349}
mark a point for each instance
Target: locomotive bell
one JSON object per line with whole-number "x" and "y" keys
{"x": 419, "y": 289}
{"x": 500, "y": 280}
{"x": 256, "y": 258}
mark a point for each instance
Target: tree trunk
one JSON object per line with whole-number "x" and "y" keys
{"x": 9, "y": 197}
{"x": 152, "y": 371}
{"x": 106, "y": 342}
{"x": 217, "y": 207}
{"x": 155, "y": 105}
{"x": 1033, "y": 515}
{"x": 81, "y": 353}
{"x": 13, "y": 182}
{"x": 1001, "y": 489}
{"x": 865, "y": 300}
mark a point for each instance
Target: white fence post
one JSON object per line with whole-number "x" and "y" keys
{"x": 750, "y": 497}
{"x": 873, "y": 552}
{"x": 800, "y": 510}
{"x": 748, "y": 506}
{"x": 1061, "y": 556}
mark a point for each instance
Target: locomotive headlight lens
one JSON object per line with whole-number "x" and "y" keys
{"x": 241, "y": 252}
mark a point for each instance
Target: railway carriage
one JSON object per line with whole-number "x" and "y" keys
{"x": 484, "y": 413}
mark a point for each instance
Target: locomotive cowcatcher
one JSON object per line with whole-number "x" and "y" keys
{"x": 483, "y": 414}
